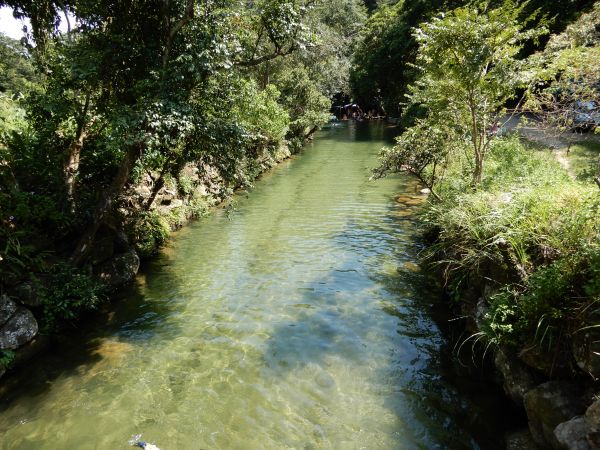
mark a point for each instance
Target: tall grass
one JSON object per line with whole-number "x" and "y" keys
{"x": 532, "y": 232}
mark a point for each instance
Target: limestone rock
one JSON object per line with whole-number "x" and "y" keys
{"x": 121, "y": 242}
{"x": 20, "y": 329}
{"x": 119, "y": 270}
{"x": 143, "y": 191}
{"x": 592, "y": 421}
{"x": 26, "y": 293}
{"x": 7, "y": 308}
{"x": 520, "y": 440}
{"x": 172, "y": 203}
{"x": 586, "y": 350}
{"x": 548, "y": 405}
{"x": 572, "y": 435}
{"x": 553, "y": 365}
{"x": 517, "y": 379}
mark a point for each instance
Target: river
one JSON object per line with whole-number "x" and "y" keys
{"x": 295, "y": 318}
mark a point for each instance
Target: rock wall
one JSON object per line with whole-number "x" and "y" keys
{"x": 558, "y": 388}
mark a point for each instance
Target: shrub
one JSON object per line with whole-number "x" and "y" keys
{"x": 7, "y": 357}
{"x": 536, "y": 223}
{"x": 148, "y": 230}
{"x": 67, "y": 292}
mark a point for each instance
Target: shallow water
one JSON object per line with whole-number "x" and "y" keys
{"x": 296, "y": 318}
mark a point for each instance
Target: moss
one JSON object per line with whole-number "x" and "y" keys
{"x": 148, "y": 230}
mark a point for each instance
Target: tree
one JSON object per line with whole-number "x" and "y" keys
{"x": 145, "y": 87}
{"x": 382, "y": 66}
{"x": 468, "y": 71}
{"x": 565, "y": 94}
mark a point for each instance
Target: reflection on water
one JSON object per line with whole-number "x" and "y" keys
{"x": 300, "y": 320}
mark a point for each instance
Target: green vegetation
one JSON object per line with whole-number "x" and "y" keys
{"x": 533, "y": 232}
{"x": 519, "y": 229}
{"x": 160, "y": 96}
{"x": 383, "y": 60}
{"x": 66, "y": 293}
{"x": 6, "y": 359}
{"x": 145, "y": 114}
{"x": 468, "y": 72}
{"x": 583, "y": 158}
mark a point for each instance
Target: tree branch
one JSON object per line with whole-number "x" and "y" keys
{"x": 268, "y": 57}
{"x": 188, "y": 15}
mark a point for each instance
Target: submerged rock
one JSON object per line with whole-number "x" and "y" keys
{"x": 549, "y": 405}
{"x": 409, "y": 200}
{"x": 411, "y": 266}
{"x": 20, "y": 329}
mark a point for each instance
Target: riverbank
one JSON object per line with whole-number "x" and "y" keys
{"x": 141, "y": 223}
{"x": 520, "y": 259}
{"x": 289, "y": 319}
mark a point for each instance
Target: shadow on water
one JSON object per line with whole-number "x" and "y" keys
{"x": 100, "y": 336}
{"x": 428, "y": 388}
{"x": 258, "y": 320}
{"x": 367, "y": 131}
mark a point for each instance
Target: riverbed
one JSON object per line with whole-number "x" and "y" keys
{"x": 296, "y": 317}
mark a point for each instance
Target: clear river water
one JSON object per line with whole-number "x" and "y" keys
{"x": 295, "y": 318}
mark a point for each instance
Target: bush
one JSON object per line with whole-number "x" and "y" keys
{"x": 148, "y": 230}
{"x": 7, "y": 357}
{"x": 536, "y": 223}
{"x": 67, "y": 292}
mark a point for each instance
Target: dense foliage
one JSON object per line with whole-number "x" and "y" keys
{"x": 521, "y": 224}
{"x": 382, "y": 66}
{"x": 532, "y": 221}
{"x": 136, "y": 91}
{"x": 468, "y": 72}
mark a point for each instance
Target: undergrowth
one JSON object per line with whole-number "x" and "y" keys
{"x": 532, "y": 223}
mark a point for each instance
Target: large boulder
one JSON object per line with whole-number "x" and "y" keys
{"x": 592, "y": 422}
{"x": 7, "y": 308}
{"x": 557, "y": 364}
{"x": 102, "y": 249}
{"x": 517, "y": 378}
{"x": 20, "y": 329}
{"x": 547, "y": 406}
{"x": 119, "y": 270}
{"x": 572, "y": 434}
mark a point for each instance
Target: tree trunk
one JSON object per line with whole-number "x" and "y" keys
{"x": 72, "y": 167}
{"x": 158, "y": 185}
{"x": 312, "y": 131}
{"x": 478, "y": 172}
{"x": 105, "y": 204}
{"x": 74, "y": 154}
